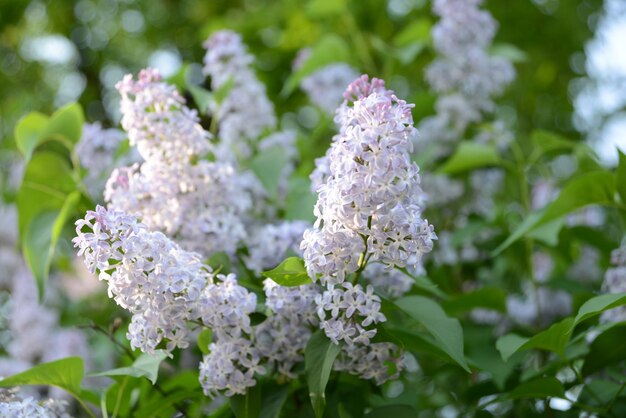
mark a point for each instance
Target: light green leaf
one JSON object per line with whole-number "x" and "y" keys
{"x": 223, "y": 91}
{"x": 66, "y": 123}
{"x": 146, "y": 365}
{"x": 300, "y": 200}
{"x": 329, "y": 49}
{"x": 202, "y": 97}
{"x": 591, "y": 188}
{"x": 319, "y": 356}
{"x": 290, "y": 272}
{"x": 416, "y": 31}
{"x": 540, "y": 388}
{"x": 325, "y": 8}
{"x": 553, "y": 339}
{"x": 469, "y": 156}
{"x": 549, "y": 141}
{"x": 204, "y": 339}
{"x": 248, "y": 405}
{"x": 599, "y": 304}
{"x": 508, "y": 51}
{"x": 268, "y": 166}
{"x": 425, "y": 284}
{"x": 447, "y": 331}
{"x": 27, "y": 133}
{"x": 66, "y": 374}
{"x": 41, "y": 237}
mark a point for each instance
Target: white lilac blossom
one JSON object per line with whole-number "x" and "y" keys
{"x": 369, "y": 197}
{"x": 349, "y": 313}
{"x": 14, "y": 406}
{"x": 198, "y": 203}
{"x": 97, "y": 152}
{"x": 391, "y": 282}
{"x": 442, "y": 190}
{"x": 326, "y": 85}
{"x": 283, "y": 336}
{"x": 245, "y": 113}
{"x": 269, "y": 244}
{"x": 378, "y": 361}
{"x": 464, "y": 74}
{"x": 615, "y": 282}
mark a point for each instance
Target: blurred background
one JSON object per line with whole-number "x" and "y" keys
{"x": 569, "y": 54}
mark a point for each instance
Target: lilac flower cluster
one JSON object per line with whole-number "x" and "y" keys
{"x": 196, "y": 202}
{"x": 370, "y": 202}
{"x": 14, "y": 406}
{"x": 96, "y": 152}
{"x": 391, "y": 282}
{"x": 378, "y": 361}
{"x": 464, "y": 74}
{"x": 246, "y": 112}
{"x": 326, "y": 85}
{"x": 283, "y": 336}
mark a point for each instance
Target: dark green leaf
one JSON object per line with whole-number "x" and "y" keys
{"x": 290, "y": 272}
{"x": 487, "y": 297}
{"x": 620, "y": 176}
{"x": 248, "y": 405}
{"x": 606, "y": 349}
{"x": 447, "y": 331}
{"x": 553, "y": 339}
{"x": 274, "y": 396}
{"x": 591, "y": 188}
{"x": 319, "y": 356}
{"x": 392, "y": 411}
{"x": 469, "y": 156}
{"x": 540, "y": 388}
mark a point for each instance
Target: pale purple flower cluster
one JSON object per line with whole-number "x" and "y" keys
{"x": 464, "y": 74}
{"x": 196, "y": 202}
{"x": 13, "y": 406}
{"x": 349, "y": 313}
{"x": 378, "y": 361}
{"x": 269, "y": 244}
{"x": 369, "y": 204}
{"x": 326, "y": 85}
{"x": 391, "y": 282}
{"x": 615, "y": 282}
{"x": 283, "y": 336}
{"x": 246, "y": 112}
{"x": 147, "y": 274}
{"x": 97, "y": 152}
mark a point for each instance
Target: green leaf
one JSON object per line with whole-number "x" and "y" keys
{"x": 447, "y": 331}
{"x": 549, "y": 142}
{"x": 508, "y": 51}
{"x": 606, "y": 349}
{"x": 540, "y": 388}
{"x": 620, "y": 176}
{"x": 329, "y": 49}
{"x": 204, "y": 339}
{"x": 41, "y": 237}
{"x": 274, "y": 397}
{"x": 201, "y": 97}
{"x": 469, "y": 156}
{"x": 416, "y": 31}
{"x": 300, "y": 200}
{"x": 325, "y": 8}
{"x": 146, "y": 365}
{"x": 268, "y": 166}
{"x": 248, "y": 405}
{"x": 553, "y": 339}
{"x": 600, "y": 392}
{"x": 395, "y": 411}
{"x": 599, "y": 304}
{"x": 591, "y": 188}
{"x": 66, "y": 374}
{"x": 66, "y": 123}
{"x": 290, "y": 272}
{"x": 425, "y": 284}
{"x": 223, "y": 91}
{"x": 27, "y": 133}
{"x": 319, "y": 356}
{"x": 487, "y": 297}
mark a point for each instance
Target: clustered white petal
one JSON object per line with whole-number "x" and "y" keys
{"x": 198, "y": 203}
{"x": 391, "y": 282}
{"x": 268, "y": 244}
{"x": 370, "y": 201}
{"x": 378, "y": 361}
{"x": 246, "y": 112}
{"x": 464, "y": 75}
{"x": 283, "y": 336}
{"x": 12, "y": 406}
